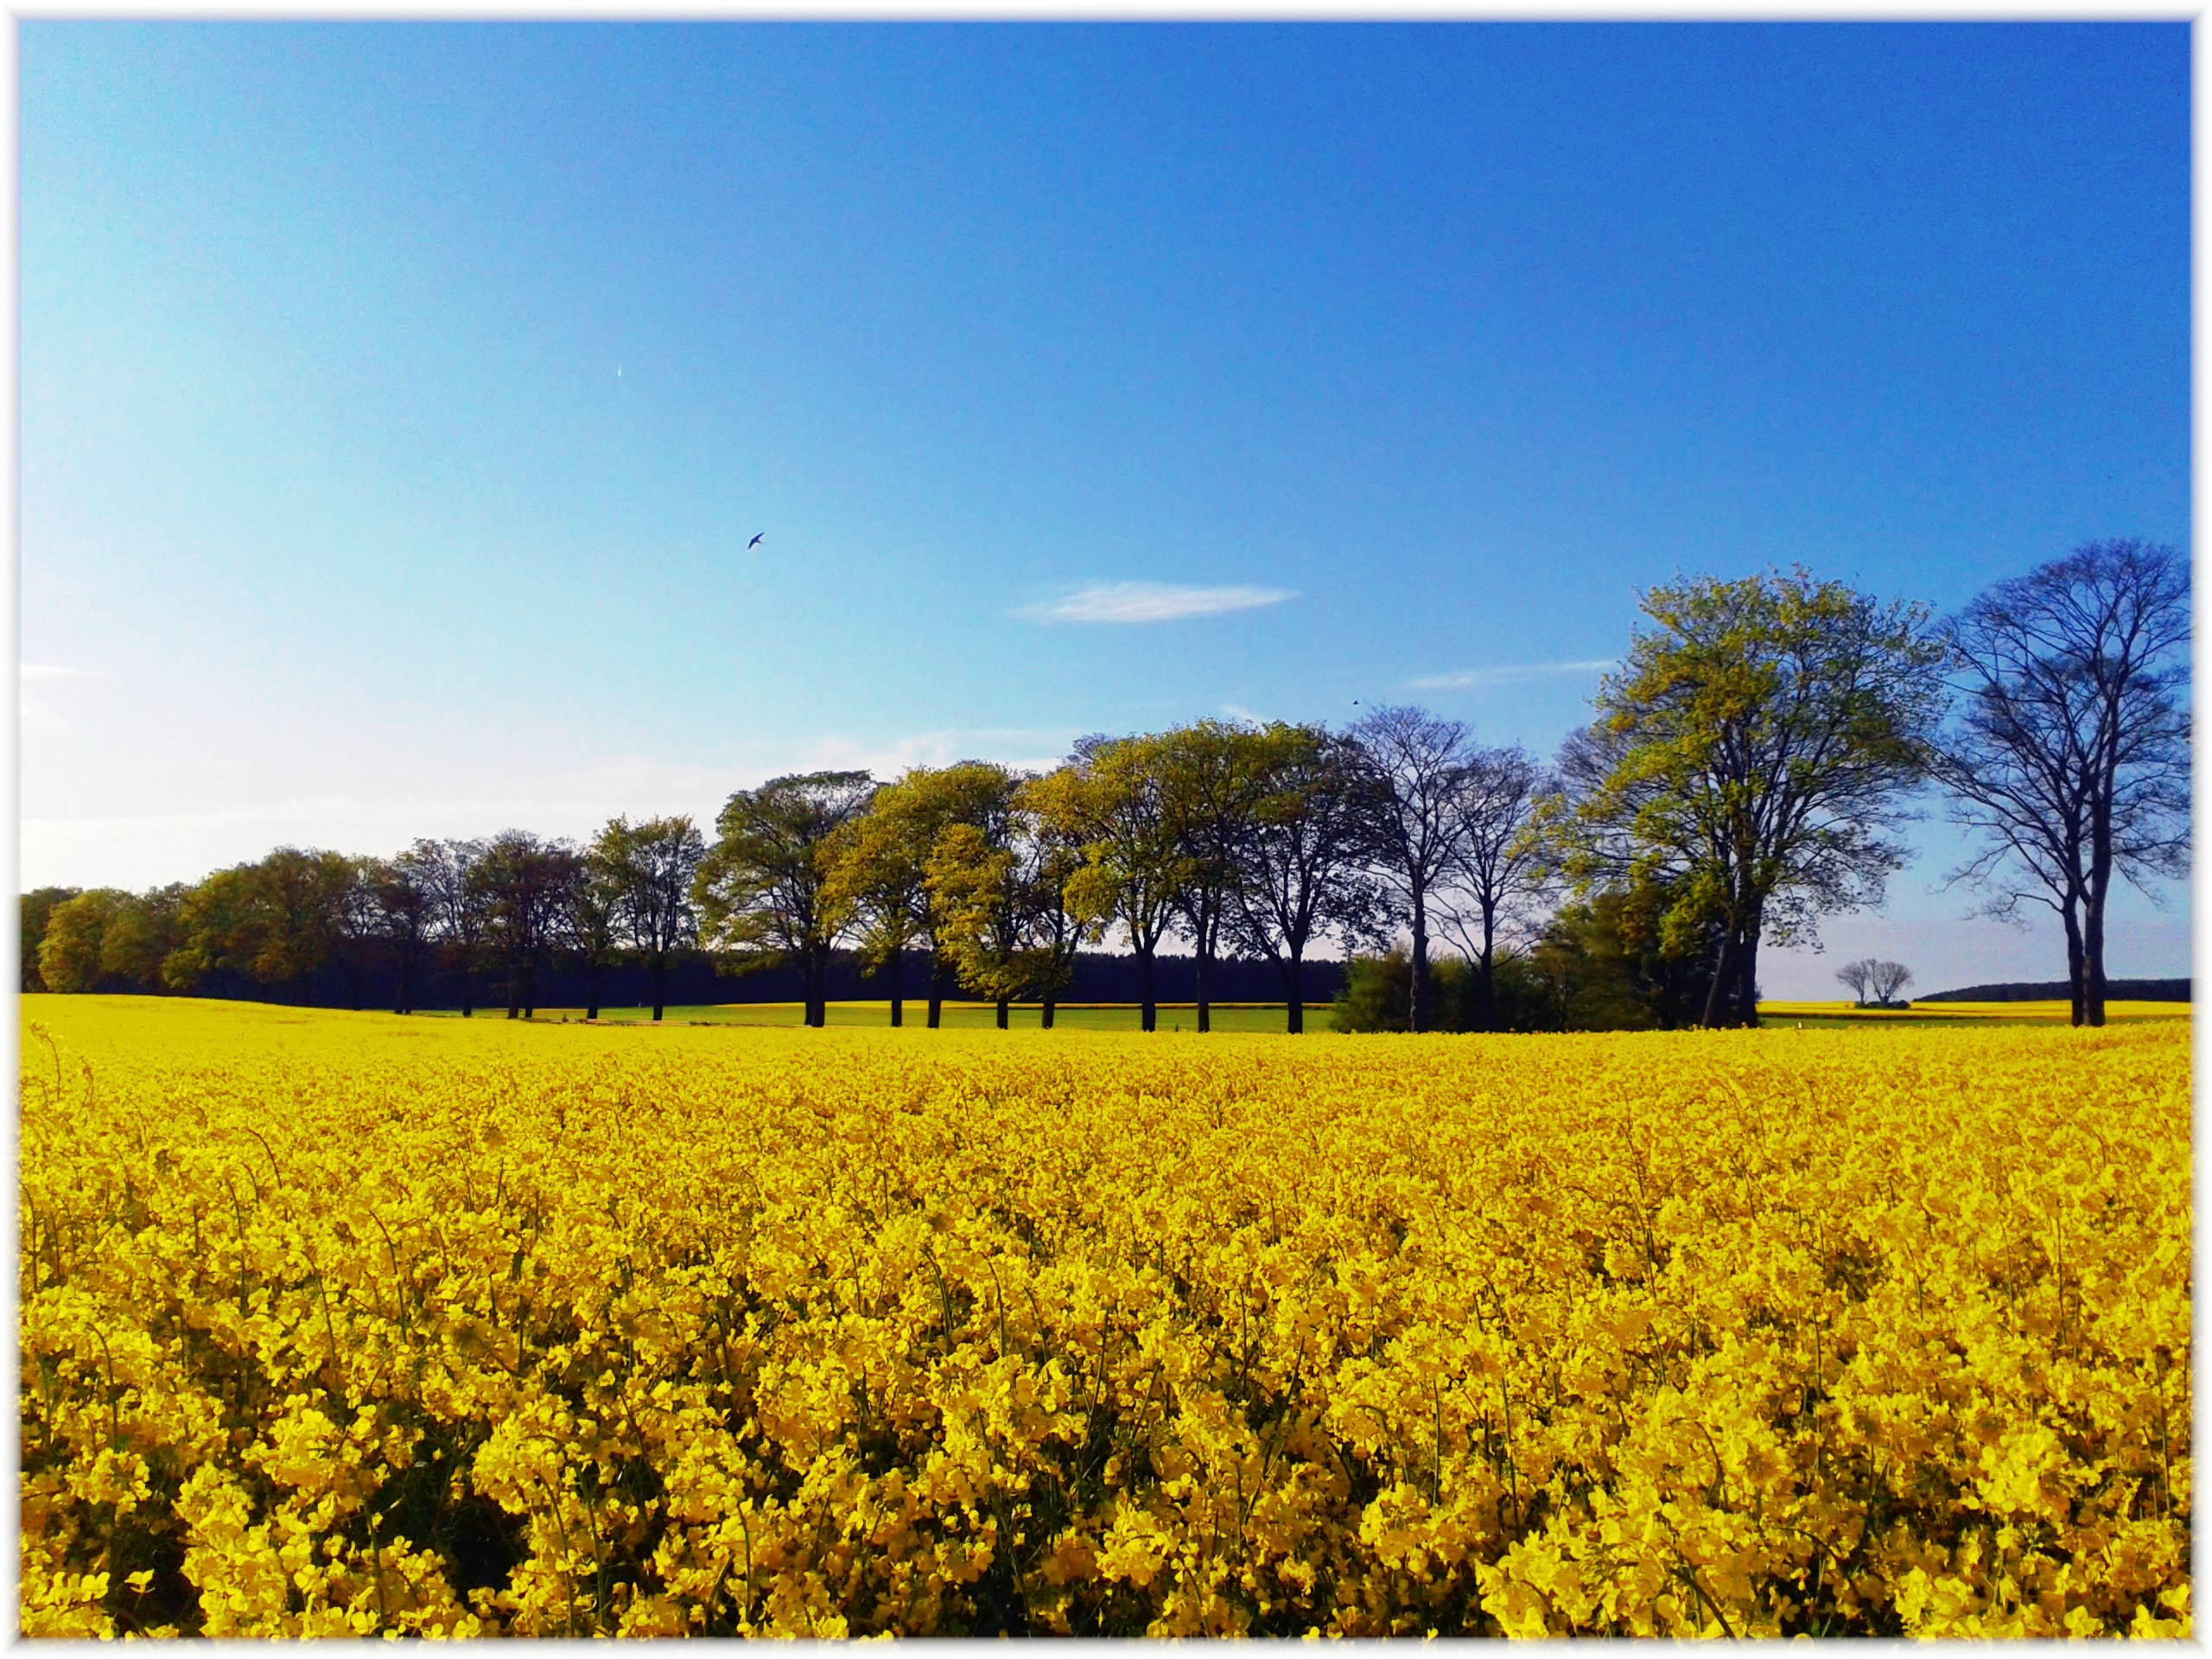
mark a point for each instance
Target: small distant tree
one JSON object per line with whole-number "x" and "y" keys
{"x": 1135, "y": 870}
{"x": 982, "y": 893}
{"x": 459, "y": 907}
{"x": 1302, "y": 876}
{"x": 760, "y": 887}
{"x": 1501, "y": 872}
{"x": 1858, "y": 977}
{"x": 595, "y": 918}
{"x": 1888, "y": 979}
{"x": 647, "y": 871}
{"x": 2070, "y": 752}
{"x": 1212, "y": 780}
{"x": 76, "y": 929}
{"x": 36, "y": 907}
{"x": 1050, "y": 857}
{"x": 1411, "y": 763}
{"x": 406, "y": 920}
{"x": 141, "y": 934}
{"x": 528, "y": 886}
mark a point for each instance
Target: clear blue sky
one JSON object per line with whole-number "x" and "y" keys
{"x": 397, "y": 400}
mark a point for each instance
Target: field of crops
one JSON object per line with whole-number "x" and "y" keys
{"x": 337, "y": 1324}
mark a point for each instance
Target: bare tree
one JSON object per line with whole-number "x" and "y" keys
{"x": 2070, "y": 752}
{"x": 1888, "y": 978}
{"x": 1858, "y": 977}
{"x": 1500, "y": 873}
{"x": 1302, "y": 874}
{"x": 1410, "y": 768}
{"x": 459, "y": 910}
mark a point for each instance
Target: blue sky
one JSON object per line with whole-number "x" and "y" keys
{"x": 397, "y": 400}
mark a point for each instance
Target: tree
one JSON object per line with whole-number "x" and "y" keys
{"x": 595, "y": 918}
{"x": 759, "y": 888}
{"x": 1411, "y": 763}
{"x": 1888, "y": 978}
{"x": 1134, "y": 870}
{"x": 459, "y": 907}
{"x": 1211, "y": 782}
{"x": 145, "y": 929}
{"x": 1749, "y": 757}
{"x": 1859, "y": 978}
{"x": 35, "y": 906}
{"x": 529, "y": 886}
{"x": 1049, "y": 857}
{"x": 1501, "y": 869}
{"x": 1301, "y": 874}
{"x": 358, "y": 927}
{"x": 979, "y": 897}
{"x": 404, "y": 889}
{"x": 276, "y": 921}
{"x": 650, "y": 868}
{"x": 70, "y": 948}
{"x": 878, "y": 883}
{"x": 2070, "y": 751}
{"x": 1609, "y": 962}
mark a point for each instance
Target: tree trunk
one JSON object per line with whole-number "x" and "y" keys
{"x": 1486, "y": 972}
{"x": 1723, "y": 985}
{"x": 1417, "y": 989}
{"x": 1747, "y": 992}
{"x": 1294, "y": 973}
{"x": 2074, "y": 964}
{"x": 1002, "y": 1008}
{"x": 1044, "y": 1015}
{"x": 1204, "y": 966}
{"x": 898, "y": 978}
{"x": 1148, "y": 1007}
{"x": 2092, "y": 952}
{"x": 937, "y": 990}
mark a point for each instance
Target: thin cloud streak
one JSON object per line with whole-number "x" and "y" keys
{"x": 54, "y": 671}
{"x": 1517, "y": 675}
{"x": 1152, "y": 601}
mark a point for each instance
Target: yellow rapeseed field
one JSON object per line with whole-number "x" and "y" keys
{"x": 340, "y": 1323}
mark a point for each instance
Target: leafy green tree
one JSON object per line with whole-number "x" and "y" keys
{"x": 980, "y": 902}
{"x": 35, "y": 906}
{"x": 2070, "y": 754}
{"x": 648, "y": 869}
{"x": 760, "y": 887}
{"x": 145, "y": 930}
{"x": 1301, "y": 875}
{"x": 529, "y": 886}
{"x": 1751, "y": 759}
{"x": 276, "y": 921}
{"x": 1213, "y": 777}
{"x": 879, "y": 863}
{"x": 71, "y": 942}
{"x": 1610, "y": 962}
{"x": 405, "y": 894}
{"x": 1135, "y": 870}
{"x": 459, "y": 908}
{"x": 593, "y": 920}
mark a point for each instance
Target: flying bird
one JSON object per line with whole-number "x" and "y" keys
{"x": 754, "y": 542}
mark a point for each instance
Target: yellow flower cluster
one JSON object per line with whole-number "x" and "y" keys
{"x": 340, "y": 1323}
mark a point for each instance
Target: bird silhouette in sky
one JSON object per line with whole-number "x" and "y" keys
{"x": 754, "y": 542}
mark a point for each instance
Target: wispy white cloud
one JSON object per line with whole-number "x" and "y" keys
{"x": 1151, "y": 601}
{"x": 1516, "y": 675}
{"x": 1238, "y": 711}
{"x": 54, "y": 671}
